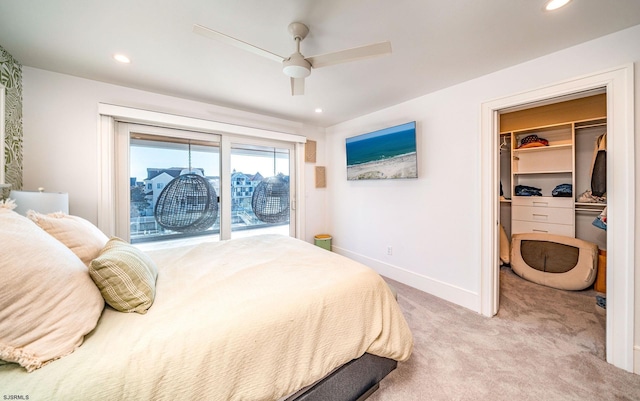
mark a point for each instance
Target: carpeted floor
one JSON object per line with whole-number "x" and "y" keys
{"x": 544, "y": 344}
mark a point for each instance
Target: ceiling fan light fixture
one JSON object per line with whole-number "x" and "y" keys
{"x": 296, "y": 71}
{"x": 555, "y": 4}
{"x": 296, "y": 66}
{"x": 122, "y": 58}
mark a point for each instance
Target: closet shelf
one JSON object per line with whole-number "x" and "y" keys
{"x": 590, "y": 206}
{"x": 542, "y": 172}
{"x": 544, "y": 148}
{"x": 579, "y": 209}
{"x": 591, "y": 123}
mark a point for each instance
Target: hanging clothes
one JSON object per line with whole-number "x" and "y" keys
{"x": 599, "y": 167}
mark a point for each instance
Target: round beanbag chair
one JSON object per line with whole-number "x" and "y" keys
{"x": 556, "y": 261}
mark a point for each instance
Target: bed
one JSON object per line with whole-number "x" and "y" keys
{"x": 259, "y": 318}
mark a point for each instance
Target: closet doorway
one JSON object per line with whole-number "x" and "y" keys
{"x": 618, "y": 85}
{"x": 547, "y": 180}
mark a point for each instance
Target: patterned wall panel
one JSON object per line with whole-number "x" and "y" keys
{"x": 11, "y": 79}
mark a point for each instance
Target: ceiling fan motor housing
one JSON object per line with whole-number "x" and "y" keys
{"x": 298, "y": 30}
{"x": 296, "y": 66}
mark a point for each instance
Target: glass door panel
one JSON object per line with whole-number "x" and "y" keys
{"x": 260, "y": 190}
{"x": 174, "y": 188}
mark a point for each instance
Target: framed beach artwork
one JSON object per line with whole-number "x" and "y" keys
{"x": 384, "y": 154}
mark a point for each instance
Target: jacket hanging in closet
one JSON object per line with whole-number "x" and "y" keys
{"x": 599, "y": 168}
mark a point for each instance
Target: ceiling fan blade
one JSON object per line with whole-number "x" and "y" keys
{"x": 211, "y": 34}
{"x": 357, "y": 53}
{"x": 297, "y": 86}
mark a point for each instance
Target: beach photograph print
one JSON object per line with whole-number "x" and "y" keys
{"x": 385, "y": 154}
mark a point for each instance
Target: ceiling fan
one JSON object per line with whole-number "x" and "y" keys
{"x": 297, "y": 66}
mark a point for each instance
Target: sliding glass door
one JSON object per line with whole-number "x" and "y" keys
{"x": 260, "y": 189}
{"x": 193, "y": 186}
{"x": 174, "y": 188}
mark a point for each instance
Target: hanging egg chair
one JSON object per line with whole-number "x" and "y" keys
{"x": 187, "y": 204}
{"x": 270, "y": 201}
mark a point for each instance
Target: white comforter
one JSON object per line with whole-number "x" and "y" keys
{"x": 248, "y": 319}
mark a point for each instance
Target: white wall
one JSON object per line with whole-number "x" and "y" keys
{"x": 433, "y": 222}
{"x": 60, "y": 121}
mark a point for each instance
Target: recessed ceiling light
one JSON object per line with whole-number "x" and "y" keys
{"x": 318, "y": 110}
{"x": 121, "y": 58}
{"x": 555, "y": 4}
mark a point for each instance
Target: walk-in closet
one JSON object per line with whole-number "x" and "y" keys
{"x": 553, "y": 174}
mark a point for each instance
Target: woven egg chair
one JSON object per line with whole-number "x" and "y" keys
{"x": 270, "y": 201}
{"x": 187, "y": 204}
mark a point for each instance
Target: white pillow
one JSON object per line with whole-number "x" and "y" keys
{"x": 48, "y": 302}
{"x": 78, "y": 234}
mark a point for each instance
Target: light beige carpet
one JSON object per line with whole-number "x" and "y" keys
{"x": 544, "y": 344}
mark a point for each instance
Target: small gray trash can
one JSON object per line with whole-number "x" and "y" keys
{"x": 323, "y": 241}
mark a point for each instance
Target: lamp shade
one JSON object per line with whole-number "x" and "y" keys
{"x": 41, "y": 202}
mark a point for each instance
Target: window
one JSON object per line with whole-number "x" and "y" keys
{"x": 157, "y": 162}
{"x": 149, "y": 159}
{"x": 251, "y": 165}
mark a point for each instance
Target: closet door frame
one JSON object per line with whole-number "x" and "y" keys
{"x": 619, "y": 85}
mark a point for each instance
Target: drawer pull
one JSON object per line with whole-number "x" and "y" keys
{"x": 539, "y": 231}
{"x": 540, "y": 217}
{"x": 545, "y": 204}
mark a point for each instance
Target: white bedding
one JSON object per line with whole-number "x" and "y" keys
{"x": 249, "y": 319}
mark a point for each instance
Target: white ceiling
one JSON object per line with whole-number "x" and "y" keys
{"x": 435, "y": 44}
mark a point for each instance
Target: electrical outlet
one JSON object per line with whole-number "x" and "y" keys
{"x": 389, "y": 250}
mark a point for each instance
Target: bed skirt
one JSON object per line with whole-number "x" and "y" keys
{"x": 353, "y": 381}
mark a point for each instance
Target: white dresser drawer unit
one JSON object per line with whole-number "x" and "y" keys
{"x": 555, "y": 215}
{"x": 542, "y": 201}
{"x": 542, "y": 214}
{"x": 518, "y": 227}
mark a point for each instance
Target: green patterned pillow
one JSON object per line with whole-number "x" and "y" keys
{"x": 125, "y": 275}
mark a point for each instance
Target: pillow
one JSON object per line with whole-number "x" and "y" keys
{"x": 125, "y": 275}
{"x": 78, "y": 234}
{"x": 48, "y": 302}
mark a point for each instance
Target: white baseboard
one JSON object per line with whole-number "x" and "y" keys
{"x": 448, "y": 292}
{"x": 636, "y": 359}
